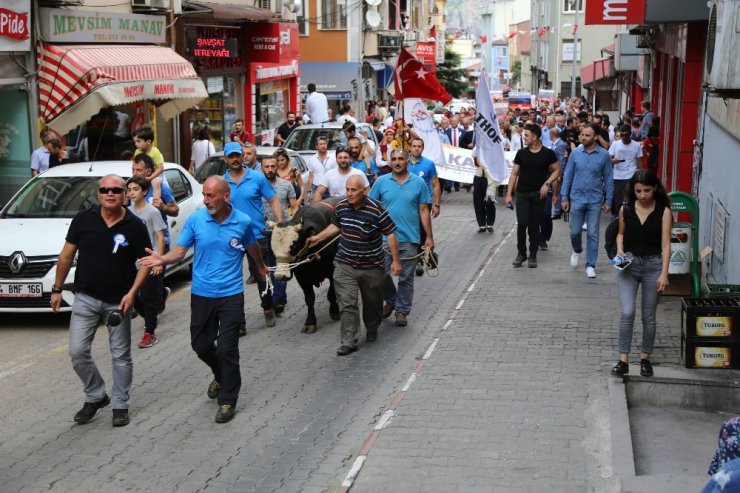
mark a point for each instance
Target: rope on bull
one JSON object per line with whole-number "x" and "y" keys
{"x": 310, "y": 257}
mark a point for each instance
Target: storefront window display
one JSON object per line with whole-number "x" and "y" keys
{"x": 272, "y": 97}
{"x": 217, "y": 112}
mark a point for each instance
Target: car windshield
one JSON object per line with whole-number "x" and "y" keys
{"x": 59, "y": 196}
{"x": 302, "y": 139}
{"x": 214, "y": 165}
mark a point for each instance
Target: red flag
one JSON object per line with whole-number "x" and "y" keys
{"x": 542, "y": 31}
{"x": 412, "y": 80}
{"x": 483, "y": 38}
{"x": 575, "y": 29}
{"x": 433, "y": 32}
{"x": 511, "y": 36}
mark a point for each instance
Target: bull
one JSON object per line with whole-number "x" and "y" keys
{"x": 288, "y": 241}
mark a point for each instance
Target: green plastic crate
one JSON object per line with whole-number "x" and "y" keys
{"x": 723, "y": 291}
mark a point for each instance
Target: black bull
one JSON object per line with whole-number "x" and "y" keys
{"x": 288, "y": 242}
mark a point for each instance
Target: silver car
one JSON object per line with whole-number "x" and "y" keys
{"x": 216, "y": 164}
{"x": 303, "y": 139}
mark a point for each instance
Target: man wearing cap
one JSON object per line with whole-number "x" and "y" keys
{"x": 248, "y": 188}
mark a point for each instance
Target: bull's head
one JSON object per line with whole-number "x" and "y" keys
{"x": 286, "y": 242}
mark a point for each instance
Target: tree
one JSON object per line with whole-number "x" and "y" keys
{"x": 451, "y": 76}
{"x": 516, "y": 72}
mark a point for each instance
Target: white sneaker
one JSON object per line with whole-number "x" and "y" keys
{"x": 590, "y": 272}
{"x": 584, "y": 227}
{"x": 574, "y": 259}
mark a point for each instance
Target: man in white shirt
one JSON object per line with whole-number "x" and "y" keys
{"x": 334, "y": 180}
{"x": 345, "y": 114}
{"x": 624, "y": 154}
{"x": 40, "y": 156}
{"x": 318, "y": 165}
{"x": 317, "y": 107}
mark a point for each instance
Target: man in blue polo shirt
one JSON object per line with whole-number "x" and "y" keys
{"x": 248, "y": 188}
{"x": 426, "y": 170}
{"x": 406, "y": 197}
{"x": 220, "y": 235}
{"x": 358, "y": 161}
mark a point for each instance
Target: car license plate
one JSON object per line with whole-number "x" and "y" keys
{"x": 21, "y": 290}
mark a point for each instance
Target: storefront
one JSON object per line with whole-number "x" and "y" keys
{"x": 272, "y": 78}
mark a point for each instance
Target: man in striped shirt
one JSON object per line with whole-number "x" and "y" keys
{"x": 359, "y": 263}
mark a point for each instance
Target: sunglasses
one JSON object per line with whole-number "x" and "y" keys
{"x": 113, "y": 190}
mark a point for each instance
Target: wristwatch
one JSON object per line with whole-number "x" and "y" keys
{"x": 56, "y": 289}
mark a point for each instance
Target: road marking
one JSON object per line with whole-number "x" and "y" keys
{"x": 460, "y": 304}
{"x": 409, "y": 382}
{"x": 352, "y": 474}
{"x": 447, "y": 324}
{"x": 431, "y": 348}
{"x": 384, "y": 420}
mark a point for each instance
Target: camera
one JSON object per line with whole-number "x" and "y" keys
{"x": 114, "y": 318}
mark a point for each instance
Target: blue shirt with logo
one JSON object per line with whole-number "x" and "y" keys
{"x": 361, "y": 166}
{"x": 402, "y": 201}
{"x": 219, "y": 252}
{"x": 247, "y": 195}
{"x": 426, "y": 170}
{"x": 168, "y": 198}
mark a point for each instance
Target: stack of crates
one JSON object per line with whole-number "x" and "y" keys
{"x": 710, "y": 332}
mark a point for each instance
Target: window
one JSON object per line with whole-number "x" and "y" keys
{"x": 179, "y": 184}
{"x": 333, "y": 14}
{"x": 568, "y": 51}
{"x": 302, "y": 19}
{"x": 570, "y": 6}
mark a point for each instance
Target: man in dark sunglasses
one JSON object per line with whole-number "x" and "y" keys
{"x": 109, "y": 239}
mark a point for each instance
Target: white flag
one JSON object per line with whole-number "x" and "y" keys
{"x": 415, "y": 112}
{"x": 489, "y": 146}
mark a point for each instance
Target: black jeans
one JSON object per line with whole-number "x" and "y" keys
{"x": 546, "y": 224}
{"x": 528, "y": 216}
{"x": 148, "y": 301}
{"x": 485, "y": 210}
{"x": 214, "y": 336}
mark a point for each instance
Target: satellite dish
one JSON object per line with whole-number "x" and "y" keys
{"x": 293, "y": 6}
{"x": 373, "y": 2}
{"x": 373, "y": 18}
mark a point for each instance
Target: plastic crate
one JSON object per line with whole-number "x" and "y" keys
{"x": 723, "y": 291}
{"x": 710, "y": 317}
{"x": 710, "y": 353}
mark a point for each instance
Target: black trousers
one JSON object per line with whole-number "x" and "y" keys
{"x": 485, "y": 210}
{"x": 148, "y": 301}
{"x": 214, "y": 336}
{"x": 528, "y": 216}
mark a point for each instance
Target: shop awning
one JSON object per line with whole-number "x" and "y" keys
{"x": 375, "y": 64}
{"x": 75, "y": 82}
{"x": 599, "y": 69}
{"x": 227, "y": 11}
{"x": 330, "y": 77}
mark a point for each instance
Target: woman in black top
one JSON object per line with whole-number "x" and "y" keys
{"x": 644, "y": 231}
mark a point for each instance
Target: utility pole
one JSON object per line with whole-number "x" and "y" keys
{"x": 360, "y": 42}
{"x": 575, "y": 51}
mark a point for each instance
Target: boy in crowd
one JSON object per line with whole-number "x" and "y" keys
{"x": 143, "y": 139}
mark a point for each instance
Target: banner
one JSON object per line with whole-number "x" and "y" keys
{"x": 458, "y": 164}
{"x": 489, "y": 145}
{"x": 426, "y": 54}
{"x": 263, "y": 42}
{"x": 415, "y": 112}
{"x": 615, "y": 12}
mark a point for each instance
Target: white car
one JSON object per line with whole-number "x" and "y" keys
{"x": 303, "y": 139}
{"x": 216, "y": 165}
{"x": 34, "y": 224}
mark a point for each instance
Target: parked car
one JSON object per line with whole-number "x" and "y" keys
{"x": 303, "y": 139}
{"x": 216, "y": 165}
{"x": 34, "y": 224}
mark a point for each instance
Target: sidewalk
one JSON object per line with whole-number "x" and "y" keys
{"x": 513, "y": 395}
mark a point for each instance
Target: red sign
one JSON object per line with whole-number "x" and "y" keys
{"x": 426, "y": 53}
{"x": 289, "y": 41}
{"x": 263, "y": 43}
{"x": 615, "y": 11}
{"x": 14, "y": 24}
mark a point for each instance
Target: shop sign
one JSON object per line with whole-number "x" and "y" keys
{"x": 87, "y": 26}
{"x": 426, "y": 53}
{"x": 276, "y": 72}
{"x": 289, "y": 41}
{"x": 274, "y": 86}
{"x": 213, "y": 48}
{"x": 263, "y": 43}
{"x": 440, "y": 50}
{"x": 15, "y": 32}
{"x": 209, "y": 47}
{"x": 615, "y": 11}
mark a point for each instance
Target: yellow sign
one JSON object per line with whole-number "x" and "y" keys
{"x": 714, "y": 326}
{"x": 713, "y": 357}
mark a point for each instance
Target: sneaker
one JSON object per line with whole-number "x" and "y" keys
{"x": 532, "y": 263}
{"x": 120, "y": 417}
{"x": 490, "y": 229}
{"x": 574, "y": 259}
{"x": 279, "y": 306}
{"x": 270, "y": 318}
{"x": 646, "y": 368}
{"x": 148, "y": 340}
{"x": 89, "y": 409}
{"x": 584, "y": 227}
{"x": 620, "y": 369}
{"x": 519, "y": 260}
{"x": 401, "y": 320}
{"x": 543, "y": 245}
{"x": 482, "y": 229}
{"x": 165, "y": 294}
{"x": 590, "y": 272}
{"x": 213, "y": 388}
{"x": 225, "y": 413}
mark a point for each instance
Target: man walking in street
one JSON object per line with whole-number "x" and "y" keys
{"x": 240, "y": 134}
{"x": 406, "y": 197}
{"x": 318, "y": 164}
{"x": 535, "y": 169}
{"x": 109, "y": 239}
{"x": 334, "y": 181}
{"x": 425, "y": 169}
{"x": 359, "y": 263}
{"x": 588, "y": 172}
{"x": 248, "y": 188}
{"x": 624, "y": 154}
{"x": 316, "y": 105}
{"x": 220, "y": 236}
{"x": 285, "y": 129}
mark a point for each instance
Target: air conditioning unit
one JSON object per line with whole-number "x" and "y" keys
{"x": 276, "y": 6}
{"x": 151, "y": 4}
{"x": 723, "y": 46}
{"x": 411, "y": 36}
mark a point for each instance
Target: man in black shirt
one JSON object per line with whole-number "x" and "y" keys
{"x": 109, "y": 239}
{"x": 285, "y": 129}
{"x": 535, "y": 169}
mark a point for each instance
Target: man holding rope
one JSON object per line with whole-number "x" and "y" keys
{"x": 359, "y": 263}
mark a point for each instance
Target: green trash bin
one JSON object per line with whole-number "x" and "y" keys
{"x": 723, "y": 291}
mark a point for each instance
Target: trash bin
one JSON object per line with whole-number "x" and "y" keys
{"x": 680, "y": 249}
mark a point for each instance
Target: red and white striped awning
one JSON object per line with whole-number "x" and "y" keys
{"x": 75, "y": 82}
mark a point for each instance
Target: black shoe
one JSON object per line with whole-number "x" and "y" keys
{"x": 242, "y": 331}
{"x": 279, "y": 306}
{"x": 89, "y": 409}
{"x": 543, "y": 245}
{"x": 213, "y": 388}
{"x": 532, "y": 263}
{"x": 481, "y": 229}
{"x": 120, "y": 417}
{"x": 620, "y": 369}
{"x": 646, "y": 368}
{"x": 490, "y": 229}
{"x": 388, "y": 310}
{"x": 519, "y": 260}
{"x": 372, "y": 335}
{"x": 251, "y": 280}
{"x": 225, "y": 413}
{"x": 557, "y": 216}
{"x": 345, "y": 350}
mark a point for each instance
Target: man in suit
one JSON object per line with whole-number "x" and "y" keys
{"x": 455, "y": 133}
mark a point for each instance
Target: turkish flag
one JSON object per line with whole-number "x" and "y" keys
{"x": 483, "y": 38}
{"x": 413, "y": 80}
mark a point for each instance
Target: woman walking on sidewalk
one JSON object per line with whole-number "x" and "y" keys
{"x": 645, "y": 222}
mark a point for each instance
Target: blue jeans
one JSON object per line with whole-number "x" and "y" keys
{"x": 645, "y": 271}
{"x": 402, "y": 297}
{"x": 581, "y": 212}
{"x": 87, "y": 313}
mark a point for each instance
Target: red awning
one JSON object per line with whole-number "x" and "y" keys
{"x": 75, "y": 82}
{"x": 600, "y": 69}
{"x": 227, "y": 11}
